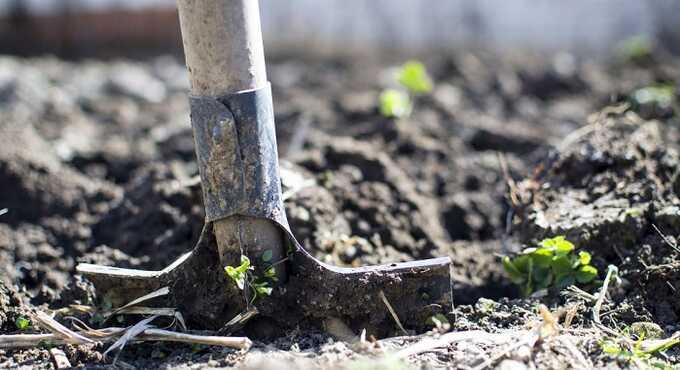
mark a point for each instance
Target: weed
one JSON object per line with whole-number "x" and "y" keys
{"x": 439, "y": 320}
{"x": 659, "y": 95}
{"x": 636, "y": 49}
{"x": 239, "y": 274}
{"x": 243, "y": 276}
{"x": 395, "y": 104}
{"x": 22, "y": 323}
{"x": 639, "y": 352}
{"x": 553, "y": 264}
{"x": 413, "y": 79}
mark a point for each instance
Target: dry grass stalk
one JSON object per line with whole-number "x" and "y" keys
{"x": 68, "y": 335}
{"x": 128, "y": 335}
{"x": 170, "y": 336}
{"x": 155, "y": 294}
{"x": 392, "y": 312}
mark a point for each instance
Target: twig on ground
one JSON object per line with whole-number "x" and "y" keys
{"x": 611, "y": 271}
{"x": 155, "y": 294}
{"x": 392, "y": 312}
{"x": 509, "y": 181}
{"x": 669, "y": 242}
{"x": 239, "y": 320}
{"x": 171, "y": 336}
{"x": 129, "y": 334}
{"x": 28, "y": 340}
{"x": 69, "y": 336}
{"x": 109, "y": 334}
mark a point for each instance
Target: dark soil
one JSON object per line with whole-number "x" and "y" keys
{"x": 97, "y": 165}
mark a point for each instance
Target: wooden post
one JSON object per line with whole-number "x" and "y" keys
{"x": 224, "y": 54}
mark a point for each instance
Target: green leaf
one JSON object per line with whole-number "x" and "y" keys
{"x": 267, "y": 255}
{"x": 238, "y": 274}
{"x": 523, "y": 264}
{"x": 515, "y": 275}
{"x": 414, "y": 77}
{"x": 238, "y": 277}
{"x": 264, "y": 290}
{"x": 395, "y": 104}
{"x": 270, "y": 272}
{"x": 565, "y": 280}
{"x": 22, "y": 323}
{"x": 559, "y": 244}
{"x": 611, "y": 348}
{"x": 542, "y": 257}
{"x": 584, "y": 258}
{"x": 438, "y": 320}
{"x": 561, "y": 265}
{"x": 542, "y": 277}
{"x": 245, "y": 264}
{"x": 662, "y": 95}
{"x": 636, "y": 48}
{"x": 586, "y": 274}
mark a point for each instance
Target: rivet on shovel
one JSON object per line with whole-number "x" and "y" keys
{"x": 233, "y": 125}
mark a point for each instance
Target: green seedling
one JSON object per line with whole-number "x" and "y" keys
{"x": 395, "y": 104}
{"x": 660, "y": 95}
{"x": 22, "y": 323}
{"x": 414, "y": 77}
{"x": 239, "y": 274}
{"x": 242, "y": 276}
{"x": 438, "y": 320}
{"x": 554, "y": 263}
{"x": 636, "y": 49}
{"x": 641, "y": 353}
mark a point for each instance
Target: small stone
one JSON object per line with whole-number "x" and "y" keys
{"x": 349, "y": 254}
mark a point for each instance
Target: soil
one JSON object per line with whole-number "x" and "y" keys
{"x": 97, "y": 165}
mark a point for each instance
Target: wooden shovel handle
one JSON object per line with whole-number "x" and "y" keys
{"x": 224, "y": 54}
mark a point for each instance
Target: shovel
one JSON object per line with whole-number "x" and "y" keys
{"x": 246, "y": 228}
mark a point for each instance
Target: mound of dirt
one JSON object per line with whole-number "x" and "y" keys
{"x": 97, "y": 165}
{"x": 613, "y": 189}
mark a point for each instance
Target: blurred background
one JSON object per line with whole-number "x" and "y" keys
{"x": 103, "y": 28}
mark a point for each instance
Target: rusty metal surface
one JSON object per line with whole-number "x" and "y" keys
{"x": 237, "y": 157}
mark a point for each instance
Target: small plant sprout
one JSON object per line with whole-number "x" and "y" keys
{"x": 22, "y": 323}
{"x": 243, "y": 276}
{"x": 239, "y": 274}
{"x": 640, "y": 352}
{"x": 661, "y": 95}
{"x": 395, "y": 104}
{"x": 414, "y": 77}
{"x": 554, "y": 263}
{"x": 636, "y": 49}
{"x": 412, "y": 80}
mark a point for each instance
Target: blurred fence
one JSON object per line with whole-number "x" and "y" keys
{"x": 87, "y": 27}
